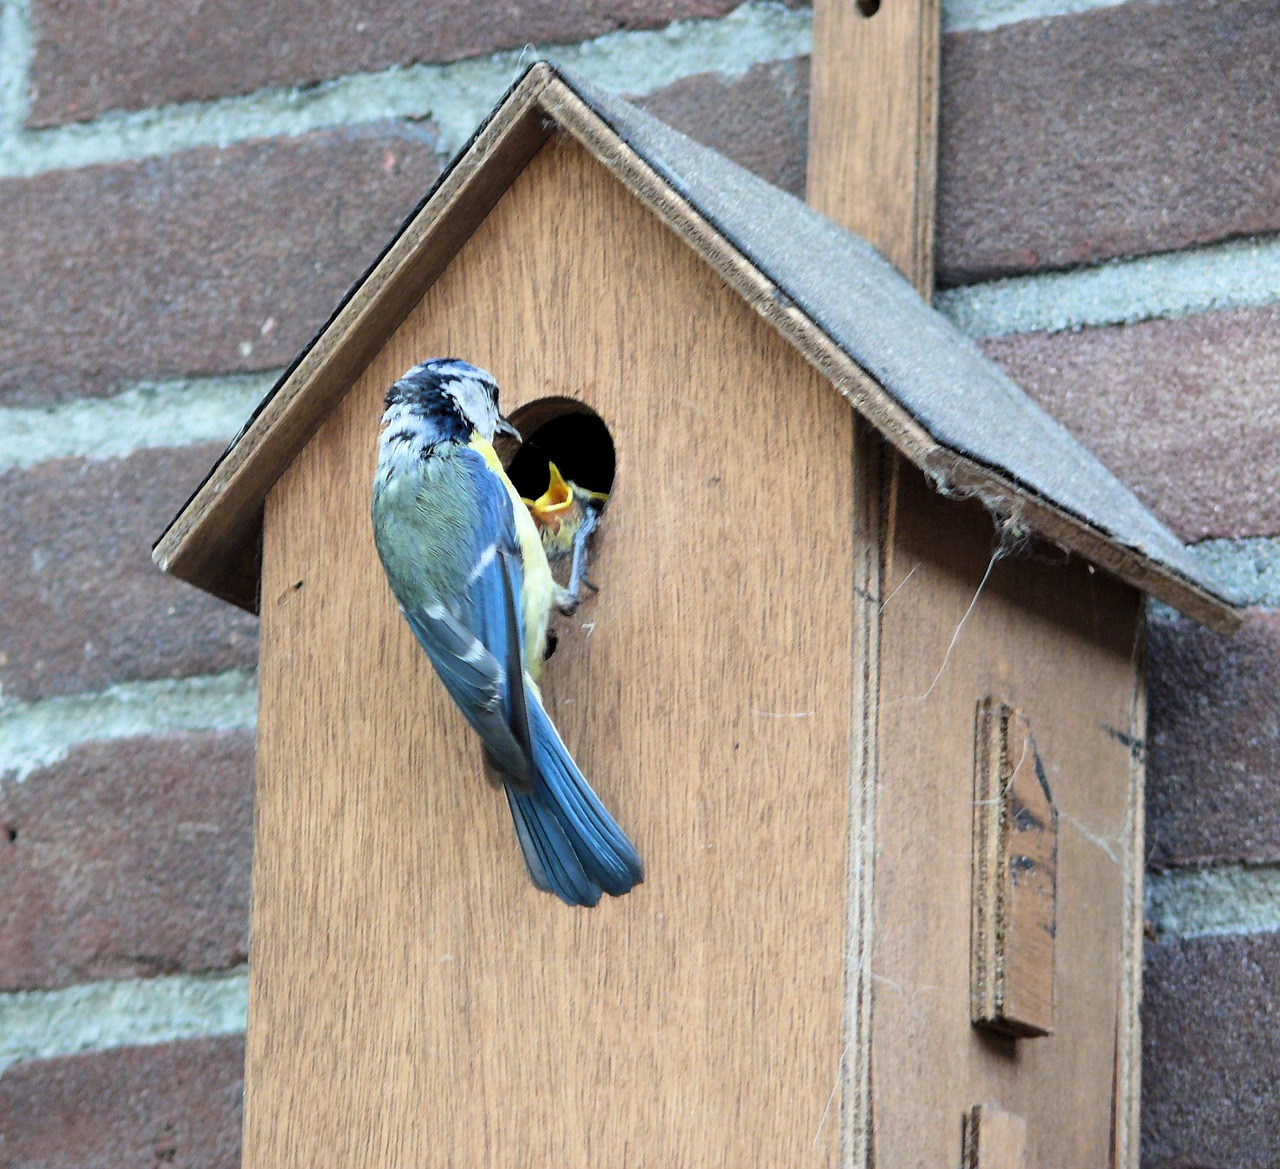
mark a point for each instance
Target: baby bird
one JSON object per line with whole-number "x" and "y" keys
{"x": 464, "y": 559}
{"x": 566, "y": 515}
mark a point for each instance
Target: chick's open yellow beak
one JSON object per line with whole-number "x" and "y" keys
{"x": 550, "y": 508}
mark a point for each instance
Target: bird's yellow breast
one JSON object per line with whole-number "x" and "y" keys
{"x": 538, "y": 592}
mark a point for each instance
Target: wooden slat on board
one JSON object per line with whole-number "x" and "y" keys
{"x": 1015, "y": 876}
{"x": 871, "y": 169}
{"x": 994, "y": 1139}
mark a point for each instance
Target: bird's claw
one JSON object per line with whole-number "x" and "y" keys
{"x": 578, "y": 572}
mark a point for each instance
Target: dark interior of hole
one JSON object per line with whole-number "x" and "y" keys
{"x": 579, "y": 444}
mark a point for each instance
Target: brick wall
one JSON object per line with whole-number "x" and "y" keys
{"x": 177, "y": 220}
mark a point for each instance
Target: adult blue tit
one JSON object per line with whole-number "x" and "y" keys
{"x": 565, "y": 516}
{"x": 464, "y": 560}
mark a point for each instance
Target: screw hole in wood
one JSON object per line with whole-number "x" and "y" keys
{"x": 867, "y": 8}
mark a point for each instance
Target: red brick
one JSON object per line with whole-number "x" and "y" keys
{"x": 205, "y": 261}
{"x": 134, "y": 53}
{"x": 1211, "y": 1053}
{"x": 84, "y": 607}
{"x": 175, "y": 1104}
{"x": 1213, "y": 778}
{"x": 1125, "y": 130}
{"x": 127, "y": 859}
{"x": 1187, "y": 412}
{"x": 760, "y": 120}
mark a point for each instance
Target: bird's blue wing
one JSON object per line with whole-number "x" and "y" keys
{"x": 475, "y": 681}
{"x": 474, "y": 636}
{"x": 475, "y": 639}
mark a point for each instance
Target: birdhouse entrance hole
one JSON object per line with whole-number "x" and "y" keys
{"x": 566, "y": 433}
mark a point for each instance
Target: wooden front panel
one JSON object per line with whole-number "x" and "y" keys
{"x": 414, "y": 1001}
{"x": 1062, "y": 643}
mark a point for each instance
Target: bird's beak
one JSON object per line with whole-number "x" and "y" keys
{"x": 505, "y": 427}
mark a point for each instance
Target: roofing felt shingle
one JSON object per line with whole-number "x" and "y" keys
{"x": 965, "y": 401}
{"x": 930, "y": 390}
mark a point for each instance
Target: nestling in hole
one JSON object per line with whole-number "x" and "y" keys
{"x": 564, "y": 471}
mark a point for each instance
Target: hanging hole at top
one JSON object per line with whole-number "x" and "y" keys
{"x": 867, "y": 7}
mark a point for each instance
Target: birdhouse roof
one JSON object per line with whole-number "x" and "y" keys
{"x": 902, "y": 365}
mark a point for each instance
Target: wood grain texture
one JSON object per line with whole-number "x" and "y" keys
{"x": 871, "y": 466}
{"x": 994, "y": 1139}
{"x": 1058, "y": 639}
{"x": 873, "y": 117}
{"x": 414, "y": 1001}
{"x": 1127, "y": 1093}
{"x": 1015, "y": 876}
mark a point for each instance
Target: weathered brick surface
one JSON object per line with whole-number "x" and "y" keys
{"x": 83, "y": 606}
{"x": 1211, "y": 1049}
{"x": 760, "y": 120}
{"x": 1130, "y": 129}
{"x": 127, "y": 859}
{"x": 175, "y": 1104}
{"x": 134, "y": 53}
{"x": 1213, "y": 778}
{"x": 206, "y": 261}
{"x": 1187, "y": 412}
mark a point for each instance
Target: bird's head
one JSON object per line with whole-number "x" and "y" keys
{"x": 456, "y": 397}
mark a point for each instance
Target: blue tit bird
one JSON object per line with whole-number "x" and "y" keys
{"x": 565, "y": 516}
{"x": 464, "y": 559}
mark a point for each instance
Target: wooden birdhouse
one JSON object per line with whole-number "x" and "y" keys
{"x": 863, "y": 680}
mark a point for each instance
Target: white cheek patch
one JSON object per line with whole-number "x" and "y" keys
{"x": 475, "y": 398}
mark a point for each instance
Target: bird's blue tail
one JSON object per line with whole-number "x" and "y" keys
{"x": 572, "y": 846}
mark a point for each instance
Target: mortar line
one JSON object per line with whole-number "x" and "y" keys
{"x": 15, "y": 60}
{"x": 100, "y": 1016}
{"x": 1247, "y": 565}
{"x": 38, "y": 734}
{"x": 173, "y": 413}
{"x": 455, "y": 95}
{"x": 1214, "y": 900}
{"x": 982, "y": 15}
{"x": 1168, "y": 285}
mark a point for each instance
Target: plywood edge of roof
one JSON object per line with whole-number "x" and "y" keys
{"x": 215, "y": 540}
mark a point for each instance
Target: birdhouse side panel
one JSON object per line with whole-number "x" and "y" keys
{"x": 1061, "y": 643}
{"x": 414, "y": 1000}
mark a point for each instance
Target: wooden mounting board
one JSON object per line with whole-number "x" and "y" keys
{"x": 413, "y": 1000}
{"x": 873, "y": 126}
